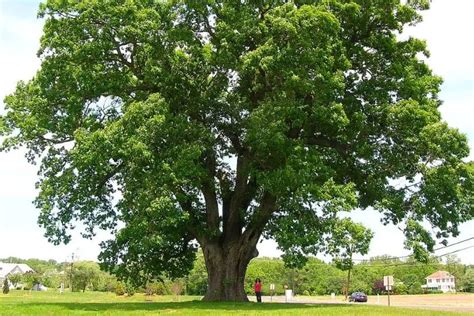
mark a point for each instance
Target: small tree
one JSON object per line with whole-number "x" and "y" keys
{"x": 85, "y": 274}
{"x": 130, "y": 289}
{"x": 30, "y": 279}
{"x": 119, "y": 289}
{"x": 6, "y": 286}
{"x": 177, "y": 288}
{"x": 378, "y": 287}
{"x": 348, "y": 238}
{"x": 468, "y": 281}
{"x": 15, "y": 279}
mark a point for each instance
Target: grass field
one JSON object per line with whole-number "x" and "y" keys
{"x": 96, "y": 303}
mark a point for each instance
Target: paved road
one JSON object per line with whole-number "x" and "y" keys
{"x": 449, "y": 302}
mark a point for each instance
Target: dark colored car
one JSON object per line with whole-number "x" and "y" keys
{"x": 358, "y": 297}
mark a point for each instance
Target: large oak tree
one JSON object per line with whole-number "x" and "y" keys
{"x": 176, "y": 123}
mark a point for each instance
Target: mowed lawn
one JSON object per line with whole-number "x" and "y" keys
{"x": 96, "y": 303}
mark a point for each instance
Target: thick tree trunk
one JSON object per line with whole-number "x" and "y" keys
{"x": 226, "y": 267}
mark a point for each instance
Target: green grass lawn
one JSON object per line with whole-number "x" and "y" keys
{"x": 96, "y": 303}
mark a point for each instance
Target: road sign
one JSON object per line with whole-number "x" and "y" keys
{"x": 388, "y": 280}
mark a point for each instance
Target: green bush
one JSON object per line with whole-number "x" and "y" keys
{"x": 119, "y": 289}
{"x": 130, "y": 289}
{"x": 400, "y": 288}
{"x": 6, "y": 286}
{"x": 158, "y": 288}
{"x": 149, "y": 290}
{"x": 415, "y": 288}
{"x": 306, "y": 293}
{"x": 434, "y": 292}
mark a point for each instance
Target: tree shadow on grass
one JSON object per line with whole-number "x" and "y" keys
{"x": 190, "y": 305}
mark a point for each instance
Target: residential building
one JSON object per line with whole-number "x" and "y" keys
{"x": 7, "y": 269}
{"x": 440, "y": 280}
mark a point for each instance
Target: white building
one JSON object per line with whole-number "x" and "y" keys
{"x": 440, "y": 280}
{"x": 7, "y": 269}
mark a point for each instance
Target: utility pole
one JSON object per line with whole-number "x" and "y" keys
{"x": 72, "y": 267}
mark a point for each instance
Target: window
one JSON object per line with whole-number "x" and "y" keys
{"x": 429, "y": 280}
{"x": 444, "y": 280}
{"x": 452, "y": 279}
{"x": 438, "y": 280}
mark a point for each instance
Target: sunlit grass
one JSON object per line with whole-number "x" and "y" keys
{"x": 97, "y": 303}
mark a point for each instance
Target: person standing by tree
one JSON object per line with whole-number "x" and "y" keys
{"x": 258, "y": 290}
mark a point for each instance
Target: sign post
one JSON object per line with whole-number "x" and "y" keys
{"x": 272, "y": 290}
{"x": 388, "y": 282}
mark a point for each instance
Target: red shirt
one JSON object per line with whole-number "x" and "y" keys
{"x": 258, "y": 287}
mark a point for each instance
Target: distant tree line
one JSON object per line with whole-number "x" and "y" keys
{"x": 315, "y": 278}
{"x": 320, "y": 278}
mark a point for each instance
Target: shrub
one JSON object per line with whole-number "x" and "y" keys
{"x": 415, "y": 288}
{"x": 6, "y": 286}
{"x": 400, "y": 288}
{"x": 130, "y": 289}
{"x": 158, "y": 288}
{"x": 306, "y": 293}
{"x": 434, "y": 292}
{"x": 119, "y": 289}
{"x": 378, "y": 287}
{"x": 149, "y": 290}
{"x": 177, "y": 288}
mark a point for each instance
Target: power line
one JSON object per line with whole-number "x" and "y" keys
{"x": 456, "y": 243}
{"x": 418, "y": 263}
{"x": 408, "y": 256}
{"x": 368, "y": 264}
{"x": 459, "y": 250}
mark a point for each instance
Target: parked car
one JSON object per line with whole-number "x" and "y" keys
{"x": 358, "y": 297}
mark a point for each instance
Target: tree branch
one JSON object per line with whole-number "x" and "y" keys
{"x": 108, "y": 176}
{"x": 232, "y": 216}
{"x": 208, "y": 189}
{"x": 260, "y": 218}
{"x": 320, "y": 140}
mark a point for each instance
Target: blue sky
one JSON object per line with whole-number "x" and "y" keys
{"x": 446, "y": 27}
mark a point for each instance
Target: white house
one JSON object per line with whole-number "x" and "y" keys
{"x": 440, "y": 280}
{"x": 7, "y": 269}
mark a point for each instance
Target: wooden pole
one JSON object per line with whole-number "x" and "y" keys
{"x": 388, "y": 291}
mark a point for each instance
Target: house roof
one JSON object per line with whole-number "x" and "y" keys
{"x": 25, "y": 268}
{"x": 7, "y": 268}
{"x": 440, "y": 275}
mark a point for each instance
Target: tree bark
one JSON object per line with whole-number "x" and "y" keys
{"x": 226, "y": 267}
